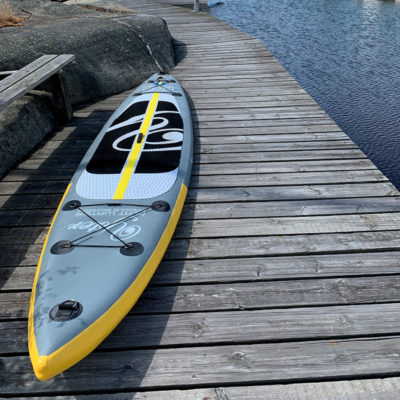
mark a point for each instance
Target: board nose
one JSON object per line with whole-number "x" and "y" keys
{"x": 44, "y": 366}
{"x": 40, "y": 367}
{"x": 49, "y": 364}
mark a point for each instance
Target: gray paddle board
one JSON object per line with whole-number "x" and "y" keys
{"x": 112, "y": 227}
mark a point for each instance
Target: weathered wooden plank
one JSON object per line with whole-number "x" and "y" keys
{"x": 226, "y": 43}
{"x": 224, "y": 31}
{"x": 242, "y": 76}
{"x": 259, "y": 147}
{"x": 296, "y": 137}
{"x": 228, "y": 195}
{"x": 227, "y": 51}
{"x": 188, "y": 56}
{"x": 26, "y": 235}
{"x": 185, "y": 74}
{"x": 272, "y": 294}
{"x": 277, "y": 166}
{"x": 243, "y": 296}
{"x": 257, "y": 50}
{"x": 243, "y": 65}
{"x": 279, "y": 155}
{"x": 195, "y": 38}
{"x": 272, "y": 268}
{"x": 240, "y": 180}
{"x": 241, "y": 55}
{"x": 301, "y": 178}
{"x": 29, "y": 217}
{"x": 258, "y": 65}
{"x": 287, "y": 225}
{"x": 276, "y": 245}
{"x": 253, "y": 109}
{"x": 364, "y": 389}
{"x": 262, "y": 102}
{"x": 250, "y": 194}
{"x": 46, "y": 155}
{"x": 258, "y": 123}
{"x": 79, "y": 148}
{"x": 189, "y": 394}
{"x": 207, "y": 211}
{"x": 37, "y": 76}
{"x": 219, "y": 102}
{"x": 233, "y": 327}
{"x": 30, "y": 201}
{"x": 39, "y": 170}
{"x": 22, "y": 246}
{"x": 226, "y": 35}
{"x": 302, "y": 155}
{"x": 224, "y": 40}
{"x": 215, "y": 92}
{"x": 39, "y": 187}
{"x": 235, "y": 143}
{"x": 16, "y": 76}
{"x": 298, "y": 178}
{"x": 270, "y": 130}
{"x": 23, "y": 175}
{"x": 48, "y": 163}
{"x": 212, "y": 69}
{"x": 237, "y": 88}
{"x": 99, "y": 122}
{"x": 236, "y": 43}
{"x": 213, "y": 195}
{"x": 238, "y": 223}
{"x": 191, "y": 367}
{"x": 250, "y": 83}
{"x": 233, "y": 113}
{"x": 251, "y": 46}
{"x": 78, "y": 142}
{"x": 13, "y": 215}
{"x": 76, "y": 134}
{"x": 243, "y": 116}
{"x": 241, "y": 270}
{"x": 290, "y": 208}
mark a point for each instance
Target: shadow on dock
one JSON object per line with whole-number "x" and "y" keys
{"x": 180, "y": 50}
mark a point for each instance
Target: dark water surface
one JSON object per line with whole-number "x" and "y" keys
{"x": 346, "y": 54}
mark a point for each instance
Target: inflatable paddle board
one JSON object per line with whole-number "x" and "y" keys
{"x": 112, "y": 226}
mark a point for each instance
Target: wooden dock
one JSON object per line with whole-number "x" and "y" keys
{"x": 283, "y": 279}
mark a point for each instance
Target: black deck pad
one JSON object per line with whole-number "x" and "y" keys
{"x": 159, "y": 154}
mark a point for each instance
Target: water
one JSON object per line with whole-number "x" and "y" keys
{"x": 346, "y": 54}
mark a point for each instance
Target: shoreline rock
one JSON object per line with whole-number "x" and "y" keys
{"x": 115, "y": 50}
{"x": 23, "y": 125}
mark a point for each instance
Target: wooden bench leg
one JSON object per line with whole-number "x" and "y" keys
{"x": 57, "y": 84}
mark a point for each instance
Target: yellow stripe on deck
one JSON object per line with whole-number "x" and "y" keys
{"x": 135, "y": 152}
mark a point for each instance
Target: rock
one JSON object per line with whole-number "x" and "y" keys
{"x": 23, "y": 125}
{"x": 100, "y": 5}
{"x": 114, "y": 51}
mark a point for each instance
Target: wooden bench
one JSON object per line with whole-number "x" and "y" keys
{"x": 47, "y": 70}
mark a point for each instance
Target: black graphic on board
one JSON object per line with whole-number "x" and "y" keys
{"x": 161, "y": 151}
{"x": 133, "y": 111}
